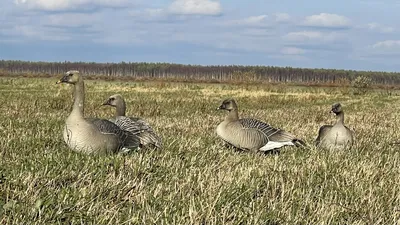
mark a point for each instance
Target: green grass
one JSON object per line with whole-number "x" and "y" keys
{"x": 195, "y": 179}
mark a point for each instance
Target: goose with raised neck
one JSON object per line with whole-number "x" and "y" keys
{"x": 79, "y": 97}
{"x": 92, "y": 135}
{"x": 336, "y": 136}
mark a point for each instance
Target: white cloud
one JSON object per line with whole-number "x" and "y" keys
{"x": 303, "y": 36}
{"x": 261, "y": 20}
{"x": 387, "y": 45}
{"x": 150, "y": 14}
{"x": 327, "y": 20}
{"x": 292, "y": 51}
{"x": 381, "y": 50}
{"x": 256, "y": 19}
{"x": 56, "y": 5}
{"x": 252, "y": 21}
{"x": 223, "y": 39}
{"x": 380, "y": 28}
{"x": 282, "y": 17}
{"x": 256, "y": 32}
{"x": 66, "y": 26}
{"x": 71, "y": 19}
{"x": 195, "y": 7}
{"x": 46, "y": 34}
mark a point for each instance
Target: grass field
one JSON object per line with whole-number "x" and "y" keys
{"x": 195, "y": 180}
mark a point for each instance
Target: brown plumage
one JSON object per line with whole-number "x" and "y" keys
{"x": 137, "y": 126}
{"x": 251, "y": 134}
{"x": 336, "y": 136}
{"x": 92, "y": 135}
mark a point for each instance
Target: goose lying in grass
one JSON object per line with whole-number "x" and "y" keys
{"x": 137, "y": 126}
{"x": 336, "y": 136}
{"x": 251, "y": 134}
{"x": 92, "y": 135}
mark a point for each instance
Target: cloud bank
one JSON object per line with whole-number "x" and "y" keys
{"x": 200, "y": 32}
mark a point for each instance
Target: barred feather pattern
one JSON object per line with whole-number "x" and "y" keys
{"x": 141, "y": 128}
{"x": 271, "y": 133}
{"x": 127, "y": 140}
{"x": 252, "y": 134}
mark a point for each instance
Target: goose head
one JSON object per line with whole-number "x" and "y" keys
{"x": 70, "y": 77}
{"x": 228, "y": 104}
{"x": 114, "y": 100}
{"x": 336, "y": 108}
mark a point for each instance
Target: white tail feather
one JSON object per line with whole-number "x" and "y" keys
{"x": 274, "y": 144}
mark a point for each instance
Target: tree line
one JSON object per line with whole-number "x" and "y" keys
{"x": 198, "y": 72}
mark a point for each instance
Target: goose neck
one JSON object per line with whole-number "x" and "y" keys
{"x": 79, "y": 97}
{"x": 120, "y": 108}
{"x": 340, "y": 119}
{"x": 232, "y": 115}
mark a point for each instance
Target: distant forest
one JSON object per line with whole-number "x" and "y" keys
{"x": 181, "y": 72}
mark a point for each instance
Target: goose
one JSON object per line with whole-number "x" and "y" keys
{"x": 137, "y": 126}
{"x": 92, "y": 135}
{"x": 251, "y": 134}
{"x": 336, "y": 136}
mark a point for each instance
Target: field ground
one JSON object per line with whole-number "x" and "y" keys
{"x": 195, "y": 179}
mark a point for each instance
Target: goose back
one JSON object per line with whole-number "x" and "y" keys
{"x": 137, "y": 126}
{"x": 322, "y": 132}
{"x": 126, "y": 139}
{"x": 337, "y": 137}
{"x": 252, "y": 134}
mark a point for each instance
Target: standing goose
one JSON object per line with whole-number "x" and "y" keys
{"x": 251, "y": 134}
{"x": 335, "y": 136}
{"x": 135, "y": 125}
{"x": 92, "y": 135}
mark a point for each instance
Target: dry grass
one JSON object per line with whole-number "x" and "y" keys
{"x": 195, "y": 179}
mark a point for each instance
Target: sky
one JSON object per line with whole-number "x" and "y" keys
{"x": 356, "y": 34}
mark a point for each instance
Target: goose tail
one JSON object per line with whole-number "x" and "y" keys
{"x": 299, "y": 143}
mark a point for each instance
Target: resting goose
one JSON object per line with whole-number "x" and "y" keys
{"x": 251, "y": 134}
{"x": 135, "y": 125}
{"x": 335, "y": 136}
{"x": 92, "y": 135}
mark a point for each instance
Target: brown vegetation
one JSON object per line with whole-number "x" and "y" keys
{"x": 197, "y": 73}
{"x": 195, "y": 179}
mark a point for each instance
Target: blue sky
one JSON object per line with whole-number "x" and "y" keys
{"x": 357, "y": 34}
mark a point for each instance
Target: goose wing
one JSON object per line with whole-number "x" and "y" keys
{"x": 133, "y": 124}
{"x": 140, "y": 123}
{"x": 104, "y": 126}
{"x": 269, "y": 132}
{"x": 139, "y": 127}
{"x": 352, "y": 131}
{"x": 323, "y": 131}
{"x": 127, "y": 139}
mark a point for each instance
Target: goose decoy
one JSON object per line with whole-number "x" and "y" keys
{"x": 92, "y": 135}
{"x": 137, "y": 126}
{"x": 251, "y": 134}
{"x": 335, "y": 136}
